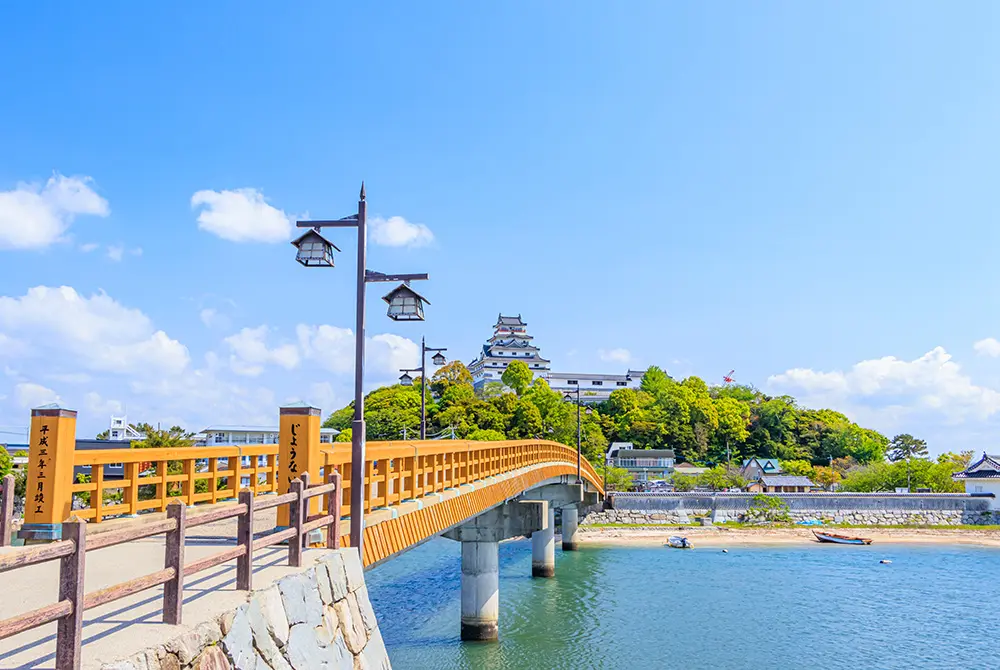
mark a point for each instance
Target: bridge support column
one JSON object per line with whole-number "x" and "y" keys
{"x": 570, "y": 519}
{"x": 543, "y": 548}
{"x": 480, "y": 591}
{"x": 480, "y": 538}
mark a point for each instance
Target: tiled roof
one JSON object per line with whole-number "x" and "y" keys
{"x": 645, "y": 453}
{"x": 510, "y": 320}
{"x": 987, "y": 467}
{"x": 785, "y": 480}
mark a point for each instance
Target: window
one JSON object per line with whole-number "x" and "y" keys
{"x": 621, "y": 383}
{"x": 597, "y": 383}
{"x": 220, "y": 437}
{"x": 115, "y": 465}
{"x": 572, "y": 381}
{"x": 979, "y": 489}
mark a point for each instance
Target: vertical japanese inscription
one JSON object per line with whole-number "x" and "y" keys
{"x": 293, "y": 466}
{"x": 41, "y": 464}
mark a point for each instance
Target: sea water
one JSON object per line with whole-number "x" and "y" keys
{"x": 808, "y": 606}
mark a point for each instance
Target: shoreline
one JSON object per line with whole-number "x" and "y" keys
{"x": 720, "y": 536}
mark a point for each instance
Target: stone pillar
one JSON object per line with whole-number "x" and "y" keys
{"x": 480, "y": 591}
{"x": 49, "y": 494}
{"x": 543, "y": 548}
{"x": 298, "y": 452}
{"x": 570, "y": 518}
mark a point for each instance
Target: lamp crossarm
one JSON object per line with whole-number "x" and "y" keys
{"x": 409, "y": 369}
{"x": 373, "y": 276}
{"x": 346, "y": 222}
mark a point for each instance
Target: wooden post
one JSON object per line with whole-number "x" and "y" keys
{"x": 132, "y": 492}
{"x": 97, "y": 495}
{"x": 163, "y": 488}
{"x": 6, "y": 510}
{"x": 173, "y": 591}
{"x": 298, "y": 450}
{"x": 334, "y": 502}
{"x": 296, "y": 513}
{"x": 49, "y": 495}
{"x": 69, "y": 629}
{"x": 244, "y": 538}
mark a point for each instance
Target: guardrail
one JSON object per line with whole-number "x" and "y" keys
{"x": 6, "y": 510}
{"x": 72, "y": 548}
{"x": 394, "y": 471}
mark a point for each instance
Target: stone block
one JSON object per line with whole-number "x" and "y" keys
{"x": 366, "y": 609}
{"x": 212, "y": 658}
{"x": 186, "y": 647}
{"x": 265, "y": 638}
{"x": 226, "y": 622}
{"x": 300, "y": 596}
{"x": 323, "y": 582}
{"x": 374, "y": 656}
{"x": 270, "y": 607}
{"x": 170, "y": 662}
{"x": 354, "y": 632}
{"x": 329, "y": 629}
{"x": 359, "y": 623}
{"x": 306, "y": 650}
{"x": 353, "y": 570}
{"x": 238, "y": 643}
{"x": 338, "y": 573}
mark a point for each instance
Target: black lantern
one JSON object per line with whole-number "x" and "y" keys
{"x": 315, "y": 251}
{"x": 406, "y": 380}
{"x": 405, "y": 304}
{"x": 438, "y": 359}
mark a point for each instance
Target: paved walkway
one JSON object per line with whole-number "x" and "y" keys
{"x": 25, "y": 589}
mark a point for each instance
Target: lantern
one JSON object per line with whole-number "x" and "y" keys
{"x": 406, "y": 380}
{"x": 405, "y": 304}
{"x": 438, "y": 359}
{"x": 314, "y": 250}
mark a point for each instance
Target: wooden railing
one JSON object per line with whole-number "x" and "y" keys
{"x": 394, "y": 471}
{"x": 72, "y": 548}
{"x": 6, "y": 509}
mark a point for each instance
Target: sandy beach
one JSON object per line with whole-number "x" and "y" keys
{"x": 711, "y": 536}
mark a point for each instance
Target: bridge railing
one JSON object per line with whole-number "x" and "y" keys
{"x": 394, "y": 472}
{"x": 71, "y": 550}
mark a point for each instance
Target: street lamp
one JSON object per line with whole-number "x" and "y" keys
{"x": 569, "y": 398}
{"x": 407, "y": 380}
{"x": 314, "y": 250}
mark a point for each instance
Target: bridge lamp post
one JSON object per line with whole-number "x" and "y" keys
{"x": 579, "y": 450}
{"x": 406, "y": 380}
{"x": 405, "y": 304}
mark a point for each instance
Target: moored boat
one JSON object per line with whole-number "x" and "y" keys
{"x": 678, "y": 542}
{"x": 840, "y": 539}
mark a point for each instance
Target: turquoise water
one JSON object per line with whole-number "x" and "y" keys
{"x": 813, "y": 606}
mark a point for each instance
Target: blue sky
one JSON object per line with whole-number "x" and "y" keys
{"x": 802, "y": 192}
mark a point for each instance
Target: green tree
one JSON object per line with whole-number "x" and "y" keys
{"x": 800, "y": 467}
{"x": 619, "y": 479}
{"x": 826, "y": 477}
{"x": 525, "y": 422}
{"x": 6, "y": 462}
{"x": 449, "y": 375}
{"x": 345, "y": 435}
{"x": 517, "y": 377}
{"x": 905, "y": 447}
{"x": 156, "y": 438}
{"x": 719, "y": 478}
{"x": 684, "y": 482}
{"x": 485, "y": 435}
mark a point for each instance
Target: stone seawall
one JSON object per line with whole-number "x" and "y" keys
{"x": 319, "y": 618}
{"x": 860, "y": 509}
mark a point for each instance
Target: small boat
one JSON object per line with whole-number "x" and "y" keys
{"x": 678, "y": 542}
{"x": 840, "y": 539}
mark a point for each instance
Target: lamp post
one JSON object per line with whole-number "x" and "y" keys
{"x": 407, "y": 380}
{"x": 405, "y": 304}
{"x": 579, "y": 450}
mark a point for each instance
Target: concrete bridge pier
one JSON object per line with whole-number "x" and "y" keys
{"x": 570, "y": 520}
{"x": 480, "y": 537}
{"x": 543, "y": 548}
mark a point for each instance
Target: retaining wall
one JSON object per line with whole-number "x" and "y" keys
{"x": 940, "y": 509}
{"x": 320, "y": 618}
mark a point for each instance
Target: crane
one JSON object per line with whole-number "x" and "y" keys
{"x": 728, "y": 378}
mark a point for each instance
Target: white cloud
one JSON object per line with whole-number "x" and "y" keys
{"x": 29, "y": 395}
{"x": 135, "y": 251}
{"x": 95, "y": 333}
{"x": 209, "y": 316}
{"x": 88, "y": 247}
{"x": 116, "y": 252}
{"x": 249, "y": 353}
{"x": 988, "y": 347}
{"x": 322, "y": 395}
{"x": 333, "y": 348}
{"x": 34, "y": 216}
{"x": 398, "y": 232}
{"x": 619, "y": 355}
{"x": 932, "y": 382}
{"x": 94, "y": 403}
{"x": 241, "y": 215}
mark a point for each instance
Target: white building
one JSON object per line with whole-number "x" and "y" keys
{"x": 983, "y": 477}
{"x": 594, "y": 388}
{"x": 121, "y": 429}
{"x": 220, "y": 436}
{"x": 510, "y": 342}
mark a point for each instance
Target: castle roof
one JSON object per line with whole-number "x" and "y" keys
{"x": 510, "y": 320}
{"x": 987, "y": 467}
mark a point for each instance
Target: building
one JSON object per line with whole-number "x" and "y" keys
{"x": 781, "y": 484}
{"x": 688, "y": 469}
{"x": 594, "y": 388}
{"x": 642, "y": 464}
{"x": 223, "y": 436}
{"x": 121, "y": 429}
{"x": 754, "y": 468}
{"x": 982, "y": 478}
{"x": 510, "y": 342}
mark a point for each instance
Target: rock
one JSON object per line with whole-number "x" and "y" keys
{"x": 338, "y": 574}
{"x": 265, "y": 638}
{"x": 306, "y": 650}
{"x": 355, "y": 576}
{"x": 169, "y": 662}
{"x": 226, "y": 622}
{"x": 186, "y": 647}
{"x": 328, "y": 631}
{"x": 365, "y": 607}
{"x": 272, "y": 609}
{"x": 120, "y": 665}
{"x": 323, "y": 582}
{"x": 212, "y": 658}
{"x": 374, "y": 656}
{"x": 354, "y": 633}
{"x": 300, "y": 596}
{"x": 238, "y": 643}
{"x": 359, "y": 624}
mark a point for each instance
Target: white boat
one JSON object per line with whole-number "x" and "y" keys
{"x": 678, "y": 542}
{"x": 840, "y": 539}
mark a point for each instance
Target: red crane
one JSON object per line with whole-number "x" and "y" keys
{"x": 728, "y": 378}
